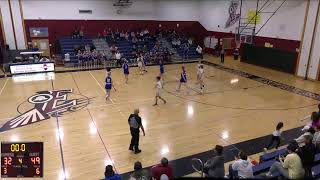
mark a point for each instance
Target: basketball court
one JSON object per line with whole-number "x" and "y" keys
{"x": 80, "y": 139}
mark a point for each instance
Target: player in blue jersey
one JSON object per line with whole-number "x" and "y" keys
{"x": 109, "y": 86}
{"x": 183, "y": 79}
{"x": 161, "y": 71}
{"x": 125, "y": 67}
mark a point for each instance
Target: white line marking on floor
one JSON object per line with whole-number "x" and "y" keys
{"x": 4, "y": 86}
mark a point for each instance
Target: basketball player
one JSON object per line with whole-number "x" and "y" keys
{"x": 108, "y": 86}
{"x": 183, "y": 79}
{"x": 198, "y": 71}
{"x": 161, "y": 71}
{"x": 201, "y": 78}
{"x": 126, "y": 70}
{"x": 158, "y": 91}
{"x": 139, "y": 60}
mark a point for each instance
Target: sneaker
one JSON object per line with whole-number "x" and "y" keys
{"x": 131, "y": 148}
{"x": 155, "y": 104}
{"x": 137, "y": 151}
{"x": 165, "y": 102}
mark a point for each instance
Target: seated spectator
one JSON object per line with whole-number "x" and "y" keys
{"x": 99, "y": 36}
{"x": 113, "y": 49}
{"x": 146, "y": 32}
{"x": 134, "y": 40}
{"x": 139, "y": 173}
{"x": 190, "y": 41}
{"x": 109, "y": 174}
{"x": 122, "y": 35}
{"x": 162, "y": 170}
{"x": 290, "y": 167}
{"x": 313, "y": 120}
{"x": 300, "y": 140}
{"x": 117, "y": 34}
{"x": 215, "y": 165}
{"x": 242, "y": 167}
{"x": 81, "y": 33}
{"x": 307, "y": 154}
{"x": 126, "y": 36}
{"x": 316, "y": 139}
{"x": 104, "y": 33}
{"x": 132, "y": 34}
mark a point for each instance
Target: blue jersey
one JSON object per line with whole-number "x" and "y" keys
{"x": 108, "y": 83}
{"x": 161, "y": 68}
{"x": 183, "y": 77}
{"x": 125, "y": 69}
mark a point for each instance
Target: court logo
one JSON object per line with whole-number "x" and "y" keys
{"x": 47, "y": 104}
{"x": 233, "y": 16}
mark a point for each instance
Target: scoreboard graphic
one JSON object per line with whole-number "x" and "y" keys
{"x": 22, "y": 159}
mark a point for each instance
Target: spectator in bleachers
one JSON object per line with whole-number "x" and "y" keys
{"x": 314, "y": 120}
{"x": 113, "y": 50}
{"x": 215, "y": 165}
{"x": 75, "y": 34}
{"x": 316, "y": 139}
{"x": 276, "y": 137}
{"x": 289, "y": 167}
{"x": 132, "y": 34}
{"x": 134, "y": 40}
{"x": 307, "y": 154}
{"x": 122, "y": 35}
{"x": 110, "y": 174}
{"x": 301, "y": 140}
{"x": 126, "y": 36}
{"x": 81, "y": 33}
{"x": 139, "y": 173}
{"x": 104, "y": 33}
{"x": 242, "y": 167}
{"x": 117, "y": 34}
{"x": 190, "y": 41}
{"x": 162, "y": 171}
{"x": 99, "y": 36}
{"x": 146, "y": 32}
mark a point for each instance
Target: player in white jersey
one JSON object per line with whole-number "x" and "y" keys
{"x": 198, "y": 71}
{"x": 140, "y": 64}
{"x": 201, "y": 78}
{"x": 158, "y": 91}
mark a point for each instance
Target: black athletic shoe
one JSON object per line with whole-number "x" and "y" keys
{"x": 137, "y": 151}
{"x": 131, "y": 148}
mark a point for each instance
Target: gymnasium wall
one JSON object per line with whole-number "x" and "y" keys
{"x": 214, "y": 15}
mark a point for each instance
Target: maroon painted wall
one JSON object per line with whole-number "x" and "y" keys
{"x": 283, "y": 44}
{"x": 63, "y": 28}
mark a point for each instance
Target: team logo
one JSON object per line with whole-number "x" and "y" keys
{"x": 47, "y": 104}
{"x": 233, "y": 16}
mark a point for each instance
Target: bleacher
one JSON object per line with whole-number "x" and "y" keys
{"x": 268, "y": 159}
{"x": 68, "y": 45}
{"x": 192, "y": 54}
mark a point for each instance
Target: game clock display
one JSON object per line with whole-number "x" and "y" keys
{"x": 23, "y": 159}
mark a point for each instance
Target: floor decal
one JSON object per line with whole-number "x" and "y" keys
{"x": 47, "y": 104}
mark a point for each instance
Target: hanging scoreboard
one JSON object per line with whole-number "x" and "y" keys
{"x": 23, "y": 159}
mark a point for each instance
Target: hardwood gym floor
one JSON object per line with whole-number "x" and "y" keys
{"x": 233, "y": 109}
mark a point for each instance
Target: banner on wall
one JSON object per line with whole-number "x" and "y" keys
{"x": 251, "y": 17}
{"x": 233, "y": 16}
{"x": 210, "y": 42}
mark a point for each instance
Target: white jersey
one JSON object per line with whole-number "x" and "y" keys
{"x": 139, "y": 62}
{"x": 198, "y": 68}
{"x": 201, "y": 74}
{"x": 158, "y": 87}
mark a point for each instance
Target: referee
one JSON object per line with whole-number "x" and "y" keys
{"x": 135, "y": 125}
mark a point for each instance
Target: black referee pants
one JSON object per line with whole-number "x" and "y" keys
{"x": 135, "y": 134}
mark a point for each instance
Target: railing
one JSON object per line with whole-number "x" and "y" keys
{"x": 198, "y": 166}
